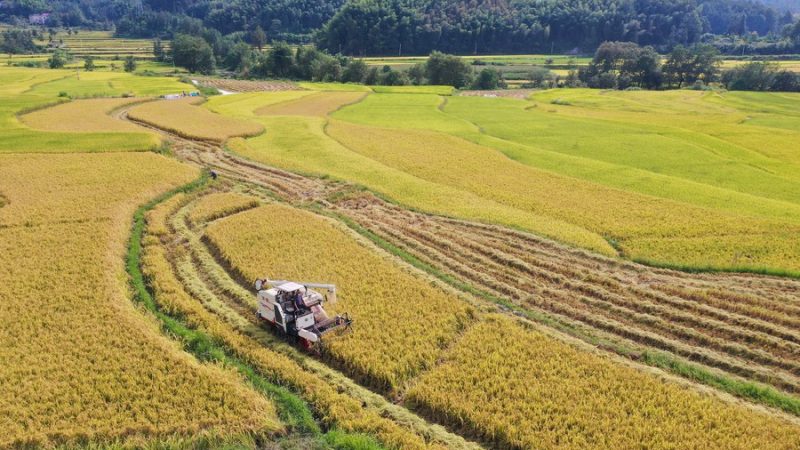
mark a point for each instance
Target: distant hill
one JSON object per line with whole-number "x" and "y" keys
{"x": 407, "y": 27}
{"x": 784, "y": 5}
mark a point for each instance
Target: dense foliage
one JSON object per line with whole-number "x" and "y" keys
{"x": 761, "y": 76}
{"x": 369, "y": 27}
{"x": 17, "y": 41}
{"x": 622, "y": 65}
{"x": 362, "y": 27}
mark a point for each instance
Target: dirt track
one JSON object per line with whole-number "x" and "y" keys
{"x": 746, "y": 325}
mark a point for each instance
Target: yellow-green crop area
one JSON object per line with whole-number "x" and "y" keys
{"x": 80, "y": 363}
{"x": 27, "y": 90}
{"x": 697, "y": 180}
{"x": 479, "y": 246}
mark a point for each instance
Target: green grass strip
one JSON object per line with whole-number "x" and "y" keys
{"x": 760, "y": 393}
{"x": 752, "y": 391}
{"x": 292, "y": 409}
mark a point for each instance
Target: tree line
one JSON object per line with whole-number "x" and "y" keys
{"x": 308, "y": 63}
{"x": 417, "y": 27}
{"x": 626, "y": 65}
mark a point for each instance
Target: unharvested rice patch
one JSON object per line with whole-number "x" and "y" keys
{"x": 518, "y": 388}
{"x": 221, "y": 204}
{"x": 90, "y": 115}
{"x": 185, "y": 118}
{"x": 317, "y": 105}
{"x": 284, "y": 243}
{"x": 84, "y": 362}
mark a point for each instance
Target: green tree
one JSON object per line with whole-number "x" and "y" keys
{"x": 58, "y": 59}
{"x": 643, "y": 68}
{"x": 158, "y": 50}
{"x": 678, "y": 66}
{"x": 17, "y": 42}
{"x": 449, "y": 70}
{"x": 258, "y": 37}
{"x": 238, "y": 57}
{"x": 416, "y": 74}
{"x": 130, "y": 64}
{"x": 393, "y": 78}
{"x": 372, "y": 77}
{"x": 754, "y": 76}
{"x": 488, "y": 79}
{"x": 280, "y": 61}
{"x": 786, "y": 81}
{"x": 88, "y": 63}
{"x": 193, "y": 53}
{"x": 540, "y": 77}
{"x": 355, "y": 71}
{"x": 686, "y": 65}
{"x": 327, "y": 69}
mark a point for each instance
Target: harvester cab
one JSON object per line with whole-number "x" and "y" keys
{"x": 296, "y": 310}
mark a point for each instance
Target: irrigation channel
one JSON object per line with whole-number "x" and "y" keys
{"x": 737, "y": 332}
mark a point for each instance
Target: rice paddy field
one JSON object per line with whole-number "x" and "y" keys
{"x": 101, "y": 44}
{"x": 558, "y": 269}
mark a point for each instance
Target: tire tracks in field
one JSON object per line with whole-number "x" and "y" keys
{"x": 732, "y": 327}
{"x": 207, "y": 280}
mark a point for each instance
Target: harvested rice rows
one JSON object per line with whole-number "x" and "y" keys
{"x": 198, "y": 298}
{"x": 745, "y": 320}
{"x": 386, "y": 302}
{"x": 505, "y": 374}
{"x": 628, "y": 300}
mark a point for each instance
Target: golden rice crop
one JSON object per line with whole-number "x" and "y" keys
{"x": 244, "y": 105}
{"x": 516, "y": 387}
{"x": 80, "y": 361}
{"x": 90, "y": 115}
{"x": 221, "y": 204}
{"x": 621, "y": 215}
{"x": 185, "y": 118}
{"x": 318, "y": 105}
{"x": 157, "y": 217}
{"x": 301, "y": 144}
{"x": 768, "y": 251}
{"x": 384, "y": 300}
{"x": 337, "y": 408}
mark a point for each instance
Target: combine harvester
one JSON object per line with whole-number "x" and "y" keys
{"x": 296, "y": 311}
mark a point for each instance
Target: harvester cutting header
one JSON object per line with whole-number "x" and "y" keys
{"x": 297, "y": 311}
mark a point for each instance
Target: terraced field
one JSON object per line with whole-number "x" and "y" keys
{"x": 229, "y": 244}
{"x": 724, "y": 322}
{"x": 489, "y": 274}
{"x": 103, "y": 44}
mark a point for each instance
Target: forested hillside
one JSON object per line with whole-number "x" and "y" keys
{"x": 782, "y": 5}
{"x": 391, "y": 27}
